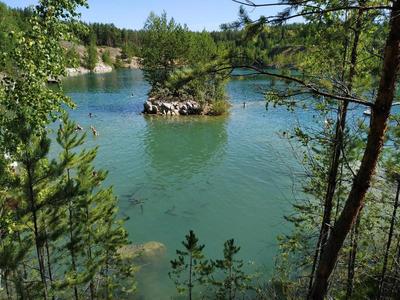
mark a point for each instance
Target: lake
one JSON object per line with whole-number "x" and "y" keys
{"x": 224, "y": 177}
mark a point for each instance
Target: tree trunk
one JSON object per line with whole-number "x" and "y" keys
{"x": 362, "y": 181}
{"x": 352, "y": 258}
{"x": 337, "y": 149}
{"x": 230, "y": 284}
{"x": 89, "y": 254}
{"x": 5, "y": 275}
{"x": 71, "y": 238}
{"x": 389, "y": 242}
{"x": 38, "y": 243}
{"x": 48, "y": 261}
{"x": 190, "y": 276}
{"x": 25, "y": 289}
{"x": 396, "y": 265}
{"x": 72, "y": 250}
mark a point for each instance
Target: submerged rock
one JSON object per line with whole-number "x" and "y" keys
{"x": 144, "y": 253}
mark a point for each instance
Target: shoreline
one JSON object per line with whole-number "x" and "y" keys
{"x": 99, "y": 69}
{"x": 156, "y": 107}
{"x": 115, "y": 55}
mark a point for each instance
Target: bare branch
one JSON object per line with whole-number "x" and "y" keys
{"x": 252, "y": 4}
{"x": 286, "y": 15}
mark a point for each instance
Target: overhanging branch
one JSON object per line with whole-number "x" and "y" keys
{"x": 310, "y": 87}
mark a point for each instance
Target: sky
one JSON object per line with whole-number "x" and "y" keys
{"x": 132, "y": 14}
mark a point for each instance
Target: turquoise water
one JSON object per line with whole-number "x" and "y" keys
{"x": 224, "y": 177}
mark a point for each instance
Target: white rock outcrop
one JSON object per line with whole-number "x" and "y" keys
{"x": 102, "y": 68}
{"x": 175, "y": 108}
{"x": 99, "y": 69}
{"x": 77, "y": 71}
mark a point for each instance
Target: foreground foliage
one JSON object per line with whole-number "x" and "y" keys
{"x": 338, "y": 248}
{"x": 220, "y": 279}
{"x": 59, "y": 234}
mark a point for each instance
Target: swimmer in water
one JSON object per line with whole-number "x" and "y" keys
{"x": 78, "y": 127}
{"x": 90, "y": 115}
{"x": 95, "y": 133}
{"x": 244, "y": 104}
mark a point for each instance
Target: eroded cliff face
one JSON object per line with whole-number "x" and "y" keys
{"x": 101, "y": 67}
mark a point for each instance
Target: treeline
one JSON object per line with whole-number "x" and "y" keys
{"x": 275, "y": 45}
{"x": 110, "y": 35}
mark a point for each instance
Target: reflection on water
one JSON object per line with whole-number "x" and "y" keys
{"x": 183, "y": 146}
{"x": 107, "y": 82}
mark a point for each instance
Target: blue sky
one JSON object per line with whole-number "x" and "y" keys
{"x": 197, "y": 14}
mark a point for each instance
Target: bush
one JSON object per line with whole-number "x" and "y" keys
{"x": 72, "y": 57}
{"x": 91, "y": 56}
{"x": 219, "y": 107}
{"x": 128, "y": 51}
{"x": 106, "y": 58}
{"x": 118, "y": 64}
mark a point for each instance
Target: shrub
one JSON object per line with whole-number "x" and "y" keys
{"x": 219, "y": 107}
{"x": 72, "y": 57}
{"x": 91, "y": 56}
{"x": 106, "y": 58}
{"x": 118, "y": 64}
{"x": 128, "y": 51}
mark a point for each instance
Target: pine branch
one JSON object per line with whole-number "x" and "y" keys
{"x": 313, "y": 89}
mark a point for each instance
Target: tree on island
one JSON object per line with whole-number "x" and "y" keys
{"x": 180, "y": 64}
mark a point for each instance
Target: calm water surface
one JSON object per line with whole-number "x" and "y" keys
{"x": 224, "y": 177}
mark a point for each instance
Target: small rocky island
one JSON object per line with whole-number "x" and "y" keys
{"x": 183, "y": 71}
{"x": 175, "y": 108}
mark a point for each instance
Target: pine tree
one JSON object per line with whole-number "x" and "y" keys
{"x": 190, "y": 267}
{"x": 234, "y": 279}
{"x": 91, "y": 55}
{"x": 69, "y": 139}
{"x": 95, "y": 232}
{"x": 392, "y": 168}
{"x": 40, "y": 199}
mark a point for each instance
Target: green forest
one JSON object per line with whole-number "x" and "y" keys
{"x": 62, "y": 232}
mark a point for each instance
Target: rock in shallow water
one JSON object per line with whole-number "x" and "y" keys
{"x": 145, "y": 253}
{"x": 147, "y": 106}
